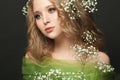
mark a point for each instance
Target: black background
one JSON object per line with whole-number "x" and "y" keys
{"x": 13, "y": 35}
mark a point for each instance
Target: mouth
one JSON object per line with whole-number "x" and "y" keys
{"x": 49, "y": 29}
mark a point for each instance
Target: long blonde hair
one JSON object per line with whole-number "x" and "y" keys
{"x": 40, "y": 46}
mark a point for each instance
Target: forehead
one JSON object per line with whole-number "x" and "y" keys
{"x": 40, "y": 4}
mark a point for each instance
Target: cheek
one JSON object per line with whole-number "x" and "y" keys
{"x": 40, "y": 26}
{"x": 54, "y": 17}
{"x": 56, "y": 21}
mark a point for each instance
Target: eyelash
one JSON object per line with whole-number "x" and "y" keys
{"x": 37, "y": 16}
{"x": 50, "y": 10}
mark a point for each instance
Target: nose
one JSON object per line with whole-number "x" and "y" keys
{"x": 46, "y": 19}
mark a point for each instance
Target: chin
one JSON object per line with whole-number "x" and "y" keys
{"x": 51, "y": 37}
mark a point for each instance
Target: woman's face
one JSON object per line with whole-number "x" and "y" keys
{"x": 47, "y": 20}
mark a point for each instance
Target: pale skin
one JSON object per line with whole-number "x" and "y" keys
{"x": 48, "y": 22}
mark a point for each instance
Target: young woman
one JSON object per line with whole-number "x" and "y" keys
{"x": 64, "y": 42}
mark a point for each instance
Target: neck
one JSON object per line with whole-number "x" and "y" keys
{"x": 62, "y": 48}
{"x": 62, "y": 43}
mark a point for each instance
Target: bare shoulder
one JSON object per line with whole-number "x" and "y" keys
{"x": 103, "y": 57}
{"x": 28, "y": 55}
{"x": 30, "y": 58}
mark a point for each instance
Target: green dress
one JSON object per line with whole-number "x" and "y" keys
{"x": 78, "y": 69}
{"x": 53, "y": 69}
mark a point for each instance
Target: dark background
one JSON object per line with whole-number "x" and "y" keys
{"x": 13, "y": 35}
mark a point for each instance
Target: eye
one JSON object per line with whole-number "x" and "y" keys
{"x": 37, "y": 16}
{"x": 51, "y": 10}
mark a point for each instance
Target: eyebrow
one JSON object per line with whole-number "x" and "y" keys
{"x": 37, "y": 12}
{"x": 49, "y": 6}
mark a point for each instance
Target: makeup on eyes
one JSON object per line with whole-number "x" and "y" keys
{"x": 37, "y": 15}
{"x": 50, "y": 9}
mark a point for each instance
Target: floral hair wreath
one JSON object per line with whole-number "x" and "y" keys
{"x": 71, "y": 7}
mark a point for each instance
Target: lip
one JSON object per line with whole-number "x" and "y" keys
{"x": 49, "y": 29}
